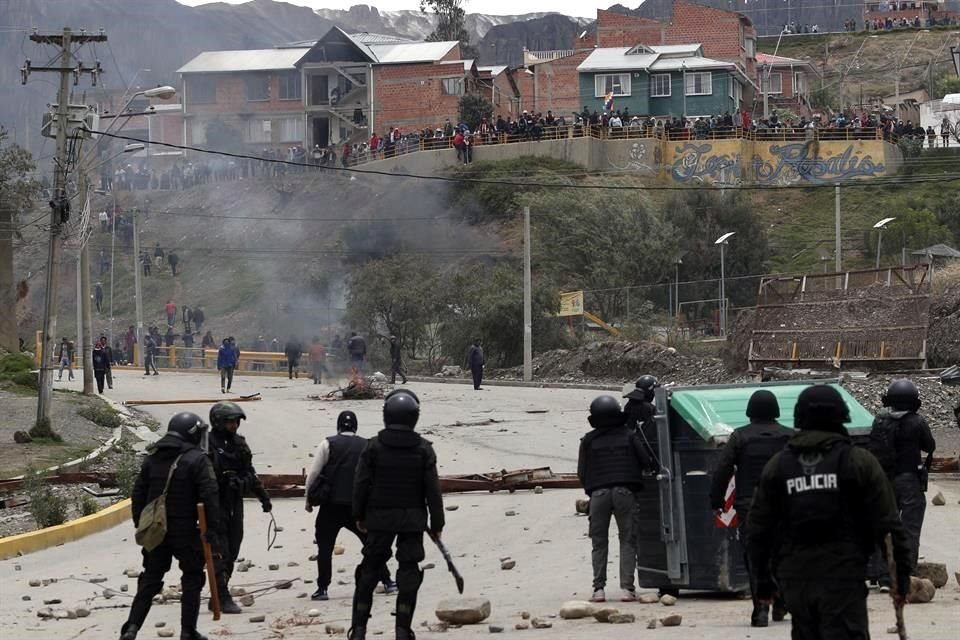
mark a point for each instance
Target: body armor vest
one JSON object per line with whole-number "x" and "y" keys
{"x": 612, "y": 460}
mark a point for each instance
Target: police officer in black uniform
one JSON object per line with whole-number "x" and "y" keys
{"x": 233, "y": 464}
{"x": 611, "y": 465}
{"x": 898, "y": 439}
{"x": 639, "y": 409}
{"x": 821, "y": 506}
{"x": 395, "y": 489}
{"x": 330, "y": 487}
{"x": 746, "y": 453}
{"x": 193, "y": 481}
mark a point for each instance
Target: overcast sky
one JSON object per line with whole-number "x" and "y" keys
{"x": 497, "y": 7}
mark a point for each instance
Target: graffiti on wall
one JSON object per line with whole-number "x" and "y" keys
{"x": 801, "y": 162}
{"x": 698, "y": 163}
{"x": 644, "y": 157}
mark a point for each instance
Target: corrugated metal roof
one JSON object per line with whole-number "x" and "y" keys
{"x": 692, "y": 63}
{"x": 247, "y": 60}
{"x": 379, "y": 38}
{"x": 617, "y": 59}
{"x": 411, "y": 52}
{"x": 678, "y": 48}
{"x": 494, "y": 70}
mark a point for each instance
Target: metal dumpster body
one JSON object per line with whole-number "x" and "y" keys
{"x": 679, "y": 543}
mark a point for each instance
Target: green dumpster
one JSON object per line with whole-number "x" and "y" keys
{"x": 680, "y": 544}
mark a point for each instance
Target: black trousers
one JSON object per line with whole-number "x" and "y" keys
{"x": 330, "y": 520}
{"x": 477, "y": 371}
{"x": 186, "y": 548}
{"x": 292, "y": 364}
{"x": 231, "y": 537}
{"x": 742, "y": 537}
{"x": 912, "y": 505}
{"x": 376, "y": 552}
{"x": 100, "y": 375}
{"x": 396, "y": 369}
{"x": 827, "y": 609}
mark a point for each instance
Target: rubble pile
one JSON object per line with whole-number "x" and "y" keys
{"x": 939, "y": 400}
{"x": 359, "y": 388}
{"x": 943, "y": 339}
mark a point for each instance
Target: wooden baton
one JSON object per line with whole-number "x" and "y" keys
{"x": 208, "y": 559}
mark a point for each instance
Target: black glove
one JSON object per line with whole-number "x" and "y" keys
{"x": 266, "y": 505}
{"x": 235, "y": 483}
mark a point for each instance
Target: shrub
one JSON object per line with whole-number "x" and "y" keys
{"x": 103, "y": 415}
{"x": 25, "y": 379}
{"x": 12, "y": 363}
{"x": 47, "y": 508}
{"x": 87, "y": 505}
{"x": 126, "y": 471}
{"x": 43, "y": 431}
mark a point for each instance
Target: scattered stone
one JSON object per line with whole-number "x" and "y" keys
{"x": 668, "y": 600}
{"x": 257, "y": 618}
{"x": 273, "y": 567}
{"x": 52, "y": 601}
{"x": 892, "y": 629}
{"x": 312, "y": 558}
{"x": 603, "y": 613}
{"x": 521, "y": 626}
{"x": 463, "y": 610}
{"x": 652, "y": 623}
{"x": 538, "y": 489}
{"x": 160, "y": 625}
{"x": 342, "y": 583}
{"x": 109, "y": 593}
{"x": 81, "y": 612}
{"x": 98, "y": 580}
{"x": 45, "y": 613}
{"x": 342, "y": 570}
{"x": 672, "y": 620}
{"x": 64, "y": 614}
{"x": 293, "y": 564}
{"x": 921, "y": 590}
{"x": 35, "y": 582}
{"x": 124, "y": 588}
{"x": 302, "y": 594}
{"x": 583, "y": 506}
{"x": 247, "y": 600}
{"x": 935, "y": 572}
{"x": 22, "y": 437}
{"x": 576, "y": 609}
{"x": 25, "y": 598}
{"x": 132, "y": 573}
{"x": 334, "y": 629}
{"x": 622, "y": 618}
{"x": 539, "y": 623}
{"x": 648, "y": 598}
{"x": 495, "y": 628}
{"x": 956, "y": 574}
{"x": 525, "y": 615}
{"x": 428, "y": 566}
{"x": 314, "y": 613}
{"x": 437, "y": 627}
{"x": 283, "y": 584}
{"x": 338, "y": 549}
{"x": 243, "y": 567}
{"x": 939, "y": 500}
{"x": 17, "y": 567}
{"x": 236, "y": 592}
{"x": 510, "y": 512}
{"x": 506, "y": 565}
{"x": 165, "y": 633}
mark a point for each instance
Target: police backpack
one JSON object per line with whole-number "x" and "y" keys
{"x": 882, "y": 441}
{"x": 152, "y": 528}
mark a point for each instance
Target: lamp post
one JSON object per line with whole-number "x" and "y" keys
{"x": 722, "y": 241}
{"x": 676, "y": 281}
{"x": 879, "y": 227}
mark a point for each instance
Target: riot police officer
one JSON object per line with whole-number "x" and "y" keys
{"x": 820, "y": 507}
{"x": 639, "y": 409}
{"x": 747, "y": 451}
{"x": 610, "y": 465}
{"x": 190, "y": 482}
{"x": 395, "y": 489}
{"x": 898, "y": 439}
{"x": 233, "y": 464}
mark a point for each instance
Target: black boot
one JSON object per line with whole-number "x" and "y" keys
{"x": 192, "y": 635}
{"x": 357, "y": 633}
{"x": 779, "y": 610}
{"x": 228, "y": 605}
{"x": 128, "y": 632}
{"x": 405, "y": 633}
{"x": 760, "y": 617}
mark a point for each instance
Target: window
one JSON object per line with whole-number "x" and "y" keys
{"x": 748, "y": 47}
{"x": 660, "y": 85}
{"x": 257, "y": 131}
{"x": 258, "y": 88}
{"x": 773, "y": 84}
{"x": 616, "y": 83}
{"x": 198, "y": 133}
{"x": 290, "y": 87}
{"x": 289, "y": 129}
{"x": 699, "y": 83}
{"x": 202, "y": 90}
{"x": 451, "y": 86}
{"x": 736, "y": 91}
{"x": 799, "y": 84}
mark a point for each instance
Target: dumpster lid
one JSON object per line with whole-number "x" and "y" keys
{"x": 715, "y": 411}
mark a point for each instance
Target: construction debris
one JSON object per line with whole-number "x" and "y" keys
{"x": 359, "y": 388}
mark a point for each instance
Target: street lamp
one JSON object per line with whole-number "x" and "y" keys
{"x": 879, "y": 227}
{"x": 677, "y": 263}
{"x": 722, "y": 241}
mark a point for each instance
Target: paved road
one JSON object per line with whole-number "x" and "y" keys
{"x": 473, "y": 432}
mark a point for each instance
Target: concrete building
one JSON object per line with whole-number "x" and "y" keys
{"x": 786, "y": 83}
{"x": 915, "y": 13}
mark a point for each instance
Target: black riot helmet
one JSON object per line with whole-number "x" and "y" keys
{"x": 902, "y": 395}
{"x": 763, "y": 406}
{"x": 347, "y": 421}
{"x": 401, "y": 408}
{"x": 647, "y": 383}
{"x": 223, "y": 411}
{"x": 820, "y": 407}
{"x": 187, "y": 426}
{"x": 605, "y": 412}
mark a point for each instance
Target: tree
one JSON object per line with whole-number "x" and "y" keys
{"x": 18, "y": 188}
{"x": 451, "y": 24}
{"x": 473, "y": 109}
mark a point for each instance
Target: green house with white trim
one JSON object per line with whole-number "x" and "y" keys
{"x": 662, "y": 81}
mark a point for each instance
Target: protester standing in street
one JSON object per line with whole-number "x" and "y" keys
{"x": 610, "y": 465}
{"x": 226, "y": 362}
{"x": 150, "y": 349}
{"x": 743, "y": 458}
{"x": 236, "y": 477}
{"x": 171, "y": 310}
{"x": 173, "y": 260}
{"x": 98, "y": 297}
{"x": 293, "y": 350}
{"x": 100, "y": 365}
{"x": 395, "y": 489}
{"x": 108, "y": 350}
{"x": 318, "y": 356}
{"x": 821, "y": 506}
{"x": 396, "y": 361}
{"x": 177, "y": 466}
{"x": 330, "y": 488}
{"x": 357, "y": 348}
{"x": 65, "y": 353}
{"x": 475, "y": 362}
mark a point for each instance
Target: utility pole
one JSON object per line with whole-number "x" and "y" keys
{"x": 838, "y": 246}
{"x": 527, "y": 301}
{"x": 86, "y": 321}
{"x": 59, "y": 204}
{"x": 136, "y": 286}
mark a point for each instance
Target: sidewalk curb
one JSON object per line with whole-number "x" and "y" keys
{"x": 102, "y": 520}
{"x": 519, "y": 383}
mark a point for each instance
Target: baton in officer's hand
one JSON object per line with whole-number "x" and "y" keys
{"x": 208, "y": 559}
{"x": 446, "y": 556}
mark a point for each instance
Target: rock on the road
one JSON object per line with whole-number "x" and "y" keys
{"x": 247, "y": 600}
{"x": 622, "y": 618}
{"x": 540, "y": 623}
{"x": 576, "y": 609}
{"x": 648, "y": 598}
{"x": 939, "y": 500}
{"x": 583, "y": 506}
{"x": 165, "y": 633}
{"x": 673, "y": 620}
{"x": 463, "y": 610}
{"x": 495, "y": 628}
{"x": 257, "y": 618}
{"x": 652, "y": 623}
{"x": 506, "y": 565}
{"x": 935, "y": 572}
{"x": 668, "y": 600}
{"x": 603, "y": 614}
{"x": 921, "y": 590}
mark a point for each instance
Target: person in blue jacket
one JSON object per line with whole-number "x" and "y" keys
{"x": 226, "y": 362}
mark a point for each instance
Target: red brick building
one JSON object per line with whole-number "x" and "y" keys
{"x": 786, "y": 82}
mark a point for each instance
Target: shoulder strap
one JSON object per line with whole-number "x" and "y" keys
{"x": 173, "y": 468}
